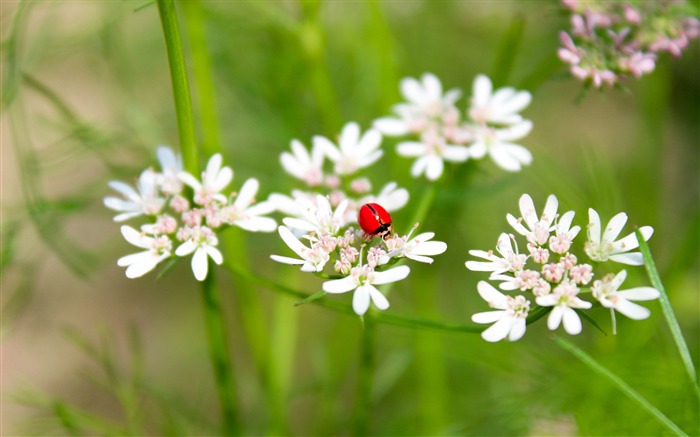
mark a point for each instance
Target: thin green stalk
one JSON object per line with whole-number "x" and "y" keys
{"x": 203, "y": 78}
{"x": 219, "y": 355}
{"x": 669, "y": 315}
{"x": 622, "y": 385}
{"x": 213, "y": 314}
{"x": 181, "y": 88}
{"x": 363, "y": 395}
{"x": 282, "y": 344}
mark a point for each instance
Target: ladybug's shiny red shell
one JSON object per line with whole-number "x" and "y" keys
{"x": 374, "y": 220}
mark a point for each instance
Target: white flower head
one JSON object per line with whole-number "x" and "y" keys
{"x": 138, "y": 264}
{"x": 431, "y": 152}
{"x": 202, "y": 241}
{"x": 214, "y": 179}
{"x": 603, "y": 248}
{"x": 302, "y": 165}
{"x": 498, "y": 143}
{"x": 501, "y": 107}
{"x": 535, "y": 229}
{"x": 418, "y": 248}
{"x": 425, "y": 103}
{"x": 509, "y": 261}
{"x": 564, "y": 299}
{"x": 145, "y": 200}
{"x": 508, "y": 321}
{"x": 245, "y": 216}
{"x": 313, "y": 259}
{"x": 564, "y": 234}
{"x": 363, "y": 279}
{"x": 353, "y": 152}
{"x": 319, "y": 218}
{"x": 610, "y": 296}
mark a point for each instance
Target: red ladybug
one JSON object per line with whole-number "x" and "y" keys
{"x": 374, "y": 220}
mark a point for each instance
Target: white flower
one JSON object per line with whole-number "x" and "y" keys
{"x": 353, "y": 152}
{"x": 563, "y": 299}
{"x": 419, "y": 248}
{"x": 171, "y": 163}
{"x": 501, "y": 107}
{"x": 301, "y": 165}
{"x": 608, "y": 294}
{"x": 202, "y": 241}
{"x": 390, "y": 197}
{"x": 214, "y": 179}
{"x": 509, "y": 320}
{"x": 536, "y": 230}
{"x": 425, "y": 102}
{"x": 509, "y": 261}
{"x": 363, "y": 279}
{"x": 138, "y": 264}
{"x": 564, "y": 234}
{"x": 320, "y": 218}
{"x": 241, "y": 214}
{"x": 603, "y": 248}
{"x": 312, "y": 259}
{"x": 498, "y": 144}
{"x": 145, "y": 201}
{"x": 431, "y": 151}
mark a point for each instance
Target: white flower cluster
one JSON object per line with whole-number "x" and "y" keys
{"x": 320, "y": 224}
{"x": 491, "y": 125}
{"x": 553, "y": 275}
{"x": 189, "y": 223}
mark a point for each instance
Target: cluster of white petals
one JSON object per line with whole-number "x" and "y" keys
{"x": 188, "y": 225}
{"x": 320, "y": 223}
{"x": 489, "y": 126}
{"x": 551, "y": 275}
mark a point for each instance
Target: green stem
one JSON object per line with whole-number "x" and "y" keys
{"x": 667, "y": 310}
{"x": 181, "y": 88}
{"x": 219, "y": 355}
{"x": 622, "y": 385}
{"x": 363, "y": 396}
{"x": 203, "y": 79}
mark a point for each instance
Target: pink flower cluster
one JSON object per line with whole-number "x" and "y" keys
{"x": 611, "y": 41}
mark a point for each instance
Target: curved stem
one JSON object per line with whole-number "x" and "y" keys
{"x": 669, "y": 315}
{"x": 622, "y": 385}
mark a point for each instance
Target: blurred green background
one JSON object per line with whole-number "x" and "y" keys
{"x": 87, "y": 98}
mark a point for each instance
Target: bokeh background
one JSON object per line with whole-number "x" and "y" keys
{"x": 87, "y": 98}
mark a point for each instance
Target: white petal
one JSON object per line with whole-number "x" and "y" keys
{"x": 291, "y": 241}
{"x": 419, "y": 258}
{"x": 614, "y": 227}
{"x": 550, "y": 209}
{"x": 391, "y": 126}
{"x": 555, "y": 316}
{"x": 185, "y": 248}
{"x": 190, "y": 180}
{"x": 125, "y": 189}
{"x": 502, "y": 158}
{"x": 299, "y": 224}
{"x": 630, "y": 259}
{"x": 200, "y": 264}
{"x": 488, "y": 316}
{"x": 391, "y": 275}
{"x": 430, "y": 248}
{"x": 515, "y": 132}
{"x": 632, "y": 310}
{"x": 349, "y": 138}
{"x": 499, "y": 330}
{"x": 287, "y": 260}
{"x": 640, "y": 293}
{"x": 369, "y": 142}
{"x": 547, "y": 300}
{"x": 481, "y": 90}
{"x": 527, "y": 209}
{"x": 291, "y": 165}
{"x": 564, "y": 223}
{"x": 412, "y": 90}
{"x": 380, "y": 301}
{"x": 477, "y": 266}
{"x": 247, "y": 193}
{"x": 360, "y": 300}
{"x": 618, "y": 280}
{"x": 593, "y": 226}
{"x": 433, "y": 87}
{"x": 300, "y": 153}
{"x": 343, "y": 285}
{"x": 215, "y": 254}
{"x": 328, "y": 148}
{"x": 477, "y": 150}
{"x": 516, "y": 103}
{"x": 257, "y": 224}
{"x": 517, "y": 330}
{"x": 517, "y": 225}
{"x": 135, "y": 237}
{"x": 410, "y": 148}
{"x": 117, "y": 204}
{"x": 370, "y": 159}
{"x": 630, "y": 242}
{"x": 133, "y": 258}
{"x": 572, "y": 323}
{"x": 455, "y": 153}
{"x": 419, "y": 166}
{"x": 495, "y": 298}
{"x": 435, "y": 167}
{"x": 222, "y": 179}
{"x": 167, "y": 158}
